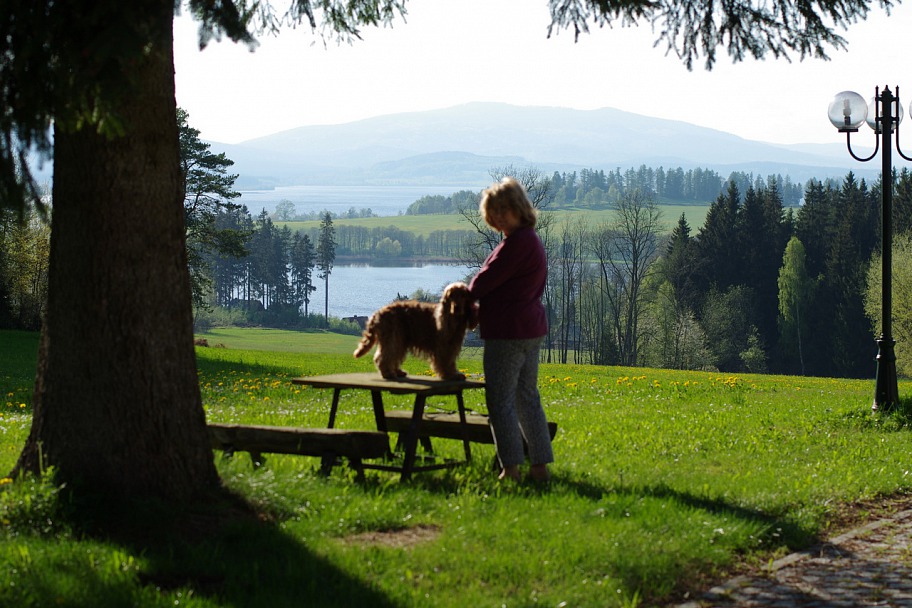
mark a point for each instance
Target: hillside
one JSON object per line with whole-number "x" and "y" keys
{"x": 459, "y": 145}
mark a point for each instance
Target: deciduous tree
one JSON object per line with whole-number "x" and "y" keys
{"x": 795, "y": 290}
{"x": 902, "y": 299}
{"x": 484, "y": 240}
{"x": 625, "y": 249}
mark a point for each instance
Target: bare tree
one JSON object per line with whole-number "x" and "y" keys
{"x": 484, "y": 240}
{"x": 625, "y": 249}
{"x": 565, "y": 279}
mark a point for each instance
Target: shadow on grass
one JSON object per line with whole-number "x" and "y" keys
{"x": 224, "y": 551}
{"x": 787, "y": 532}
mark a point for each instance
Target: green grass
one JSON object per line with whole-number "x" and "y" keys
{"x": 664, "y": 482}
{"x": 423, "y": 225}
{"x": 279, "y": 340}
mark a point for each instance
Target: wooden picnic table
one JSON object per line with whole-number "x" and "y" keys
{"x": 421, "y": 387}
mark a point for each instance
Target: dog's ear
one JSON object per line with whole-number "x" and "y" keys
{"x": 458, "y": 303}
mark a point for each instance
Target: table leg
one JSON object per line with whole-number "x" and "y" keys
{"x": 379, "y": 415}
{"x": 411, "y": 439}
{"x": 334, "y": 408}
{"x": 462, "y": 420}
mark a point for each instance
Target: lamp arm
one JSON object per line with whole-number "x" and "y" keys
{"x": 873, "y": 154}
{"x": 898, "y": 149}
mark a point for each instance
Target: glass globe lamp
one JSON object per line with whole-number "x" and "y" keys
{"x": 847, "y": 111}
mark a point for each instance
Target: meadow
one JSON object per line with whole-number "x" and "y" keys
{"x": 423, "y": 225}
{"x": 665, "y": 482}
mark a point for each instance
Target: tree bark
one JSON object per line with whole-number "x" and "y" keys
{"x": 117, "y": 406}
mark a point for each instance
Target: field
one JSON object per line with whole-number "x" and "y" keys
{"x": 664, "y": 483}
{"x": 423, "y": 225}
{"x": 279, "y": 340}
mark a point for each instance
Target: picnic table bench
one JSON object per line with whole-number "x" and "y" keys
{"x": 328, "y": 444}
{"x": 447, "y": 425}
{"x": 421, "y": 387}
{"x": 412, "y": 426}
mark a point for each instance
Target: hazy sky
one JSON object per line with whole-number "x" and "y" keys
{"x": 450, "y": 52}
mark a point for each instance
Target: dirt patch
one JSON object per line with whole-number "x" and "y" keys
{"x": 402, "y": 538}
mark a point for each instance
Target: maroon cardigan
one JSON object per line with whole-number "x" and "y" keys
{"x": 509, "y": 287}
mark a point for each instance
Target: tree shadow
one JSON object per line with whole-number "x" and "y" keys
{"x": 223, "y": 549}
{"x": 779, "y": 530}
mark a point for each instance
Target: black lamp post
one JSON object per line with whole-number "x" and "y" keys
{"x": 883, "y": 114}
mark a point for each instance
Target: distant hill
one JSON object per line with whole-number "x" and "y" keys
{"x": 459, "y": 145}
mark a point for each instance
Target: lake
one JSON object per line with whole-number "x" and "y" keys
{"x": 360, "y": 289}
{"x": 382, "y": 200}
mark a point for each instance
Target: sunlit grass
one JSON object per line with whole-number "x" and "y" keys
{"x": 423, "y": 225}
{"x": 664, "y": 481}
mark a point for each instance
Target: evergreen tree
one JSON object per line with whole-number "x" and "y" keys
{"x": 761, "y": 242}
{"x": 718, "y": 244}
{"x": 326, "y": 256}
{"x": 680, "y": 263}
{"x": 208, "y": 191}
{"x": 229, "y": 272}
{"x": 851, "y": 341}
{"x": 303, "y": 260}
{"x": 815, "y": 224}
{"x": 660, "y": 183}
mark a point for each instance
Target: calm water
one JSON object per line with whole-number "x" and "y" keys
{"x": 382, "y": 200}
{"x": 362, "y": 289}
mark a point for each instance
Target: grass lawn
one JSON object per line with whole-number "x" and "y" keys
{"x": 279, "y": 340}
{"x": 423, "y": 225}
{"x": 664, "y": 483}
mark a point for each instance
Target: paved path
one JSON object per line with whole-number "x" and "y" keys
{"x": 869, "y": 566}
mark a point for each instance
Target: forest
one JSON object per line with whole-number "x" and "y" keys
{"x": 761, "y": 286}
{"x": 594, "y": 189}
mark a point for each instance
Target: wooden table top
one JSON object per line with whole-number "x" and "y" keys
{"x": 430, "y": 385}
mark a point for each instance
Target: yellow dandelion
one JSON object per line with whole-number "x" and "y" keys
{"x": 5, "y": 481}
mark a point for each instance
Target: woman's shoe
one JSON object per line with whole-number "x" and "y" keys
{"x": 539, "y": 473}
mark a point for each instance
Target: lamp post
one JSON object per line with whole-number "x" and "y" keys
{"x": 883, "y": 114}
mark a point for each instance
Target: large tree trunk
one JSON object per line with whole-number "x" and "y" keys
{"x": 117, "y": 406}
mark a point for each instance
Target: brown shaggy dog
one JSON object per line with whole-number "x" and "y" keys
{"x": 421, "y": 328}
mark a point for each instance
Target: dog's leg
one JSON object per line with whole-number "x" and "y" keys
{"x": 445, "y": 367}
{"x": 380, "y": 362}
{"x": 388, "y": 362}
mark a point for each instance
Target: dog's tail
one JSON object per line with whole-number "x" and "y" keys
{"x": 368, "y": 338}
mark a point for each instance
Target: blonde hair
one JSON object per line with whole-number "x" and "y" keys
{"x": 507, "y": 194}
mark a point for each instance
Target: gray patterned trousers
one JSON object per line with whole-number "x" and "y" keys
{"x": 514, "y": 404}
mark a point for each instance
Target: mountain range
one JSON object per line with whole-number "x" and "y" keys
{"x": 459, "y": 146}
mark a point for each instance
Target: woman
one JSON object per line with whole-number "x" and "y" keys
{"x": 512, "y": 323}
